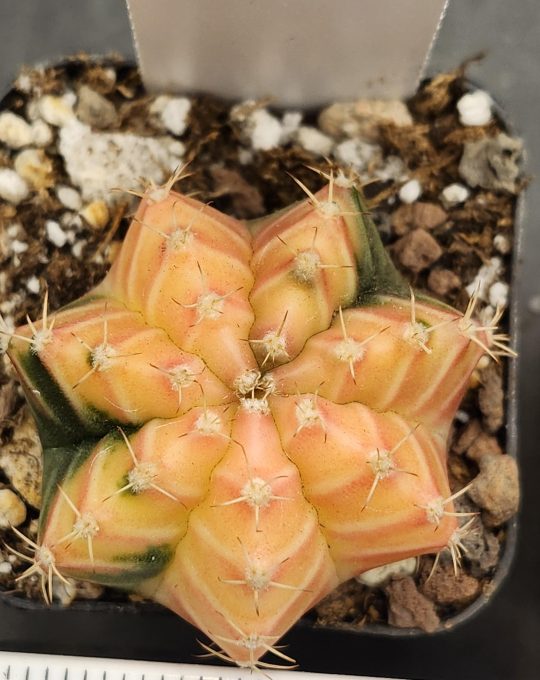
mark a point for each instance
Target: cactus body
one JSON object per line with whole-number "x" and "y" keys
{"x": 238, "y": 418}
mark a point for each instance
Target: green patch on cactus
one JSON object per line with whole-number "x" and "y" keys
{"x": 139, "y": 567}
{"x": 377, "y": 273}
{"x": 60, "y": 463}
{"x": 65, "y": 425}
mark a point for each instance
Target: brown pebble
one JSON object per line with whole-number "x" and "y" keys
{"x": 417, "y": 250}
{"x": 20, "y": 460}
{"x": 482, "y": 548}
{"x": 408, "y": 608}
{"x": 363, "y": 118}
{"x": 446, "y": 587}
{"x": 443, "y": 281}
{"x": 484, "y": 445}
{"x": 94, "y": 110}
{"x": 491, "y": 398}
{"x": 246, "y": 199}
{"x": 467, "y": 437}
{"x": 418, "y": 215}
{"x": 496, "y": 488}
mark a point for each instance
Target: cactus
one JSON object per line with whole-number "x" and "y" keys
{"x": 240, "y": 417}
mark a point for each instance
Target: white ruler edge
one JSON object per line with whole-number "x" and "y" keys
{"x": 24, "y": 666}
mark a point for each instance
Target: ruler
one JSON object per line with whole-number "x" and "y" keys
{"x": 23, "y": 666}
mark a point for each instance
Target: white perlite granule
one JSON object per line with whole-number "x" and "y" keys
{"x": 33, "y": 285}
{"x": 410, "y": 191}
{"x": 69, "y": 197}
{"x": 175, "y": 114}
{"x": 12, "y": 187}
{"x": 454, "y": 194}
{"x": 486, "y": 276}
{"x": 97, "y": 162}
{"x": 377, "y": 576}
{"x": 56, "y": 111}
{"x": 498, "y": 294}
{"x": 314, "y": 140}
{"x": 264, "y": 130}
{"x": 14, "y": 130}
{"x": 55, "y": 234}
{"x": 474, "y": 108}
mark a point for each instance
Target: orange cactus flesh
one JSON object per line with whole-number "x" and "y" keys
{"x": 238, "y": 419}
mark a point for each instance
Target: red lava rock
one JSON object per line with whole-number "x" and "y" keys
{"x": 408, "y": 608}
{"x": 418, "y": 215}
{"x": 445, "y": 587}
{"x": 417, "y": 250}
{"x": 491, "y": 398}
{"x": 496, "y": 488}
{"x": 443, "y": 281}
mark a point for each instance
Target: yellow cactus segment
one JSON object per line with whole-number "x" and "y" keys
{"x": 367, "y": 474}
{"x": 357, "y": 357}
{"x": 130, "y": 504}
{"x": 107, "y": 358}
{"x": 186, "y": 268}
{"x": 235, "y": 575}
{"x": 305, "y": 265}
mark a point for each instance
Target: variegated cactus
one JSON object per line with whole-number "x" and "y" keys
{"x": 240, "y": 417}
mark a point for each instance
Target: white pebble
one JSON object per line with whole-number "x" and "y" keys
{"x": 33, "y": 285}
{"x": 77, "y": 248}
{"x": 474, "y": 108}
{"x": 379, "y": 575}
{"x": 454, "y": 194}
{"x": 486, "y": 276}
{"x": 264, "y": 130}
{"x": 410, "y": 191}
{"x": 502, "y": 244}
{"x": 12, "y": 187}
{"x": 70, "y": 198}
{"x": 498, "y": 294}
{"x": 290, "y": 123}
{"x": 175, "y": 114}
{"x": 23, "y": 83}
{"x": 5, "y": 568}
{"x": 55, "y": 234}
{"x": 18, "y": 247}
{"x": 462, "y": 416}
{"x": 14, "y": 130}
{"x": 42, "y": 133}
{"x": 57, "y": 111}
{"x": 314, "y": 140}
{"x": 98, "y": 161}
{"x": 355, "y": 153}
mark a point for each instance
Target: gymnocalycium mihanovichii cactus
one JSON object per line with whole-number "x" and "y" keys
{"x": 242, "y": 416}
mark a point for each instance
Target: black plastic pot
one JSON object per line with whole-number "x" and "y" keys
{"x": 148, "y": 631}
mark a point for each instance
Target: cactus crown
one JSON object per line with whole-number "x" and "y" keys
{"x": 239, "y": 417}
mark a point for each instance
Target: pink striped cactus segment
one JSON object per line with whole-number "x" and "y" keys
{"x": 242, "y": 416}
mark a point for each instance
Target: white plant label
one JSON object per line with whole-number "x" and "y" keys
{"x": 298, "y": 52}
